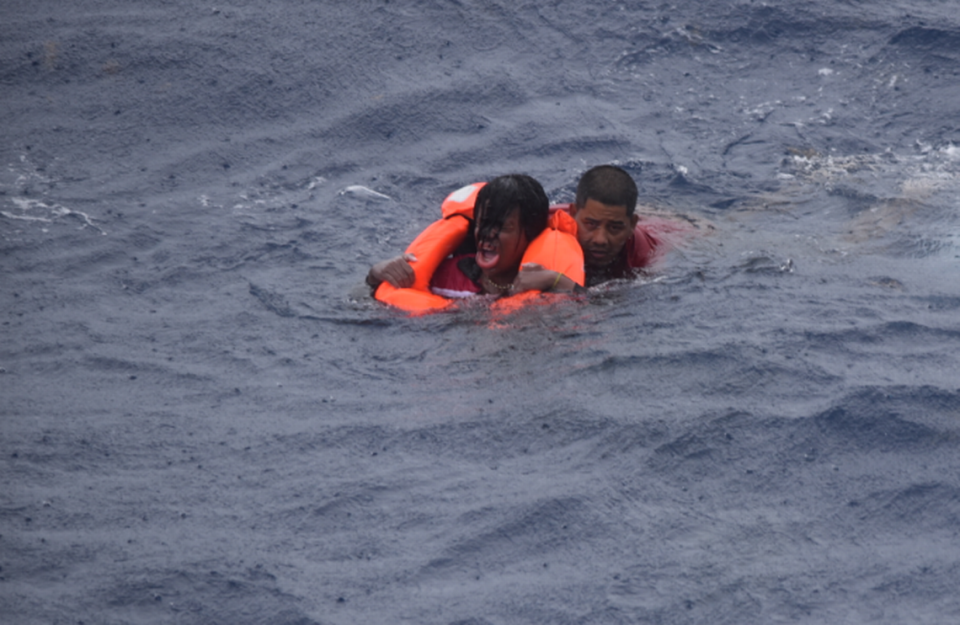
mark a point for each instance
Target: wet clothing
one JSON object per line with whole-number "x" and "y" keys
{"x": 641, "y": 250}
{"x": 457, "y": 277}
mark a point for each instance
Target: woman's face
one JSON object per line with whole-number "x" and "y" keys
{"x": 500, "y": 256}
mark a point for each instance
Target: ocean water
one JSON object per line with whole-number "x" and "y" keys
{"x": 204, "y": 418}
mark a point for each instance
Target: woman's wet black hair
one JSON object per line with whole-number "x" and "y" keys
{"x": 608, "y": 185}
{"x": 499, "y": 197}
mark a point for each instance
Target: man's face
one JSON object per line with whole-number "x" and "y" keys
{"x": 602, "y": 230}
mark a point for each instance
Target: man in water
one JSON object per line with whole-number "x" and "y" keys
{"x": 605, "y": 212}
{"x": 616, "y": 243}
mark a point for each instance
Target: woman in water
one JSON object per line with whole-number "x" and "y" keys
{"x": 510, "y": 211}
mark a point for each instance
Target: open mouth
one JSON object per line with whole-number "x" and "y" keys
{"x": 488, "y": 254}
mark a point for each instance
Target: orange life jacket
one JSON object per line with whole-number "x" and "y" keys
{"x": 555, "y": 248}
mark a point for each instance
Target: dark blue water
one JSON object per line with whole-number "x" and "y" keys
{"x": 206, "y": 419}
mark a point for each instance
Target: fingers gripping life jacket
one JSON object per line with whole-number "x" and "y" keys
{"x": 430, "y": 247}
{"x": 555, "y": 248}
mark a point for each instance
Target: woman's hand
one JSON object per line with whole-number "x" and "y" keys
{"x": 397, "y": 271}
{"x": 534, "y": 277}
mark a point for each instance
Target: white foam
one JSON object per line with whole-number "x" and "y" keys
{"x": 364, "y": 192}
{"x": 55, "y": 210}
{"x": 23, "y": 217}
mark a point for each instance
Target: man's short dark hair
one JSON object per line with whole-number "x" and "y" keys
{"x": 499, "y": 197}
{"x": 608, "y": 185}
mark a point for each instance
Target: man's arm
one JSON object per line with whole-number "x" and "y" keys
{"x": 534, "y": 277}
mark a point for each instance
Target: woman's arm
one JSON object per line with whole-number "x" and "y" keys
{"x": 397, "y": 271}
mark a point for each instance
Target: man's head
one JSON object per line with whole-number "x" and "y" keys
{"x": 510, "y": 211}
{"x": 604, "y": 211}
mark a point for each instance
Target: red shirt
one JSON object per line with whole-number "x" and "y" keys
{"x": 451, "y": 278}
{"x": 643, "y": 247}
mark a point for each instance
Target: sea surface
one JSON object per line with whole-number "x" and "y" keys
{"x": 204, "y": 417}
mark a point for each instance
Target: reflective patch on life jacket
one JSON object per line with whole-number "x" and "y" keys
{"x": 461, "y": 194}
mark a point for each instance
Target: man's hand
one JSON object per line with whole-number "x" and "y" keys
{"x": 397, "y": 271}
{"x": 534, "y": 277}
